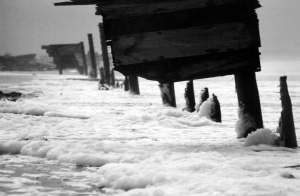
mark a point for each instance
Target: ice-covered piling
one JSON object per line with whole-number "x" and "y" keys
{"x": 286, "y": 124}
{"x": 189, "y": 96}
{"x": 204, "y": 95}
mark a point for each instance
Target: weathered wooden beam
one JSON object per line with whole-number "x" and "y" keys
{"x": 93, "y": 73}
{"x": 248, "y": 100}
{"x": 286, "y": 126}
{"x": 85, "y": 67}
{"x": 76, "y": 2}
{"x": 104, "y": 54}
{"x": 193, "y": 41}
{"x": 168, "y": 94}
{"x": 177, "y": 20}
{"x": 133, "y": 85}
{"x": 120, "y": 8}
{"x": 197, "y": 67}
{"x": 189, "y": 96}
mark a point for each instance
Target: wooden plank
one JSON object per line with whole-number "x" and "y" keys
{"x": 193, "y": 41}
{"x": 177, "y": 20}
{"x": 197, "y": 67}
{"x": 119, "y": 8}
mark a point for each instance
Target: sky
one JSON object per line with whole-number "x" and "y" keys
{"x": 25, "y": 25}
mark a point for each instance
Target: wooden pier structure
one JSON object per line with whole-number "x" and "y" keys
{"x": 68, "y": 56}
{"x": 182, "y": 40}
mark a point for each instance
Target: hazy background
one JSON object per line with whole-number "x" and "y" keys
{"x": 25, "y": 25}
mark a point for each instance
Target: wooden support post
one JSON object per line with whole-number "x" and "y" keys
{"x": 168, "y": 94}
{"x": 102, "y": 76}
{"x": 112, "y": 78}
{"x": 189, "y": 96}
{"x": 104, "y": 54}
{"x": 286, "y": 124}
{"x": 85, "y": 68}
{"x": 58, "y": 63}
{"x": 93, "y": 73}
{"x": 134, "y": 85}
{"x": 126, "y": 83}
{"x": 204, "y": 95}
{"x": 248, "y": 100}
{"x": 216, "y": 110}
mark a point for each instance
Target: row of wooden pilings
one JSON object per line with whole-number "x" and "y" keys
{"x": 246, "y": 89}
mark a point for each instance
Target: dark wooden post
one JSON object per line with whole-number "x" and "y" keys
{"x": 286, "y": 125}
{"x": 126, "y": 83}
{"x": 85, "y": 68}
{"x": 134, "y": 84}
{"x": 248, "y": 99}
{"x": 93, "y": 73}
{"x": 112, "y": 78}
{"x": 204, "y": 95}
{"x": 189, "y": 96}
{"x": 102, "y": 76}
{"x": 216, "y": 110}
{"x": 168, "y": 94}
{"x": 58, "y": 63}
{"x": 104, "y": 54}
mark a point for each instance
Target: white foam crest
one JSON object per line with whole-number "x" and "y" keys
{"x": 261, "y": 136}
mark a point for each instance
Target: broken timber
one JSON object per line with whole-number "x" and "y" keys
{"x": 67, "y": 56}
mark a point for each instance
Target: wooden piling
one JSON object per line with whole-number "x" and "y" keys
{"x": 85, "y": 68}
{"x": 248, "y": 99}
{"x": 189, "y": 96}
{"x": 93, "y": 73}
{"x": 168, "y": 94}
{"x": 134, "y": 85}
{"x": 102, "y": 76}
{"x": 216, "y": 111}
{"x": 105, "y": 55}
{"x": 286, "y": 125}
{"x": 126, "y": 83}
{"x": 112, "y": 78}
{"x": 204, "y": 95}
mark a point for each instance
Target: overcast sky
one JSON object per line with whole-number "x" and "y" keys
{"x": 27, "y": 24}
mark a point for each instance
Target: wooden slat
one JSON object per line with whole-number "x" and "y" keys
{"x": 194, "y": 41}
{"x": 197, "y": 67}
{"x": 119, "y": 8}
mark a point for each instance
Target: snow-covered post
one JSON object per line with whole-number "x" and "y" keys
{"x": 85, "y": 69}
{"x": 189, "y": 96}
{"x": 93, "y": 73}
{"x": 133, "y": 84}
{"x": 204, "y": 95}
{"x": 104, "y": 54}
{"x": 168, "y": 94}
{"x": 286, "y": 125}
{"x": 249, "y": 103}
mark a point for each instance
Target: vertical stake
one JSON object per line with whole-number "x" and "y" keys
{"x": 85, "y": 69}
{"x": 93, "y": 73}
{"x": 134, "y": 85}
{"x": 104, "y": 54}
{"x": 286, "y": 124}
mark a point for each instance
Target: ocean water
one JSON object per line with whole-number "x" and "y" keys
{"x": 65, "y": 137}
